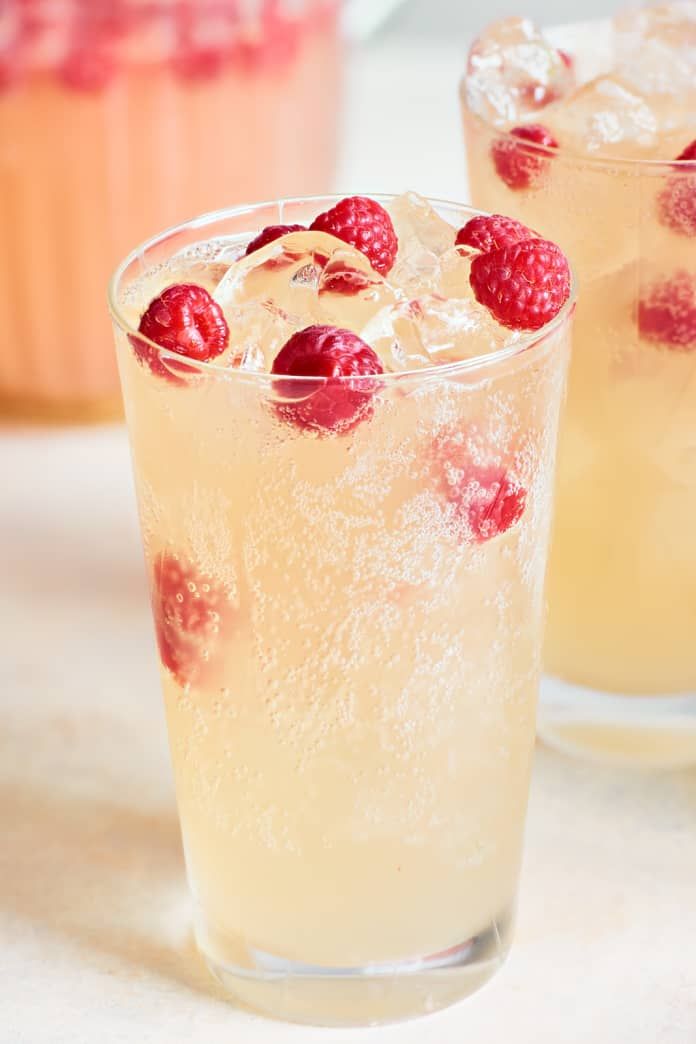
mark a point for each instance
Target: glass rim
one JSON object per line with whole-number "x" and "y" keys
{"x": 563, "y": 154}
{"x": 529, "y": 340}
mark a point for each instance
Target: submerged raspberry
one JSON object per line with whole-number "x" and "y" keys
{"x": 366, "y": 225}
{"x": 524, "y": 285}
{"x": 521, "y": 166}
{"x": 677, "y": 200}
{"x": 487, "y": 498}
{"x": 667, "y": 313}
{"x": 190, "y": 613}
{"x": 337, "y": 405}
{"x": 184, "y": 319}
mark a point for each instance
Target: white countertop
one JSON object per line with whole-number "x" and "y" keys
{"x": 95, "y": 943}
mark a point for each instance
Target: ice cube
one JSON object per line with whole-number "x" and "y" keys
{"x": 423, "y": 237}
{"x": 513, "y": 71}
{"x": 278, "y": 273}
{"x": 272, "y": 292}
{"x": 298, "y": 280}
{"x": 433, "y": 330}
{"x": 350, "y": 291}
{"x": 603, "y": 116}
{"x": 454, "y": 273}
{"x": 656, "y": 47}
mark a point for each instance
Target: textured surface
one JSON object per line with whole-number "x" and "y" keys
{"x": 93, "y": 907}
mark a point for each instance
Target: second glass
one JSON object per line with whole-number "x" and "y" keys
{"x": 620, "y": 648}
{"x": 352, "y": 754}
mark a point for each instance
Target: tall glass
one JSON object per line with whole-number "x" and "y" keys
{"x": 352, "y": 752}
{"x": 620, "y": 652}
{"x": 119, "y": 117}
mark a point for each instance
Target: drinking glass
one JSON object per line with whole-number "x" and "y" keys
{"x": 620, "y": 651}
{"x": 352, "y": 729}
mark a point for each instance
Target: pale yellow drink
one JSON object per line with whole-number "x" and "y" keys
{"x": 352, "y": 750}
{"x": 622, "y": 577}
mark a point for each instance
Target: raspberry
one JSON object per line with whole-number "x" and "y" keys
{"x": 184, "y": 319}
{"x": 366, "y": 226}
{"x": 667, "y": 313}
{"x": 10, "y": 68}
{"x": 89, "y": 66}
{"x": 566, "y": 58}
{"x": 190, "y": 612}
{"x": 524, "y": 285}
{"x": 491, "y": 232}
{"x": 677, "y": 201}
{"x": 200, "y": 63}
{"x": 689, "y": 153}
{"x": 337, "y": 405}
{"x": 487, "y": 500}
{"x": 269, "y": 233}
{"x": 522, "y": 166}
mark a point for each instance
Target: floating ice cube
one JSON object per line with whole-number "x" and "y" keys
{"x": 423, "y": 237}
{"x": 604, "y": 116}
{"x": 433, "y": 330}
{"x": 350, "y": 291}
{"x": 295, "y": 281}
{"x": 272, "y": 292}
{"x": 513, "y": 71}
{"x": 454, "y": 273}
{"x": 285, "y": 271}
{"x": 656, "y": 47}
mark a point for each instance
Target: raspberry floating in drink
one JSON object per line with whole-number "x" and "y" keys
{"x": 366, "y": 225}
{"x": 184, "y": 319}
{"x": 333, "y": 355}
{"x": 524, "y": 285}
{"x": 491, "y": 232}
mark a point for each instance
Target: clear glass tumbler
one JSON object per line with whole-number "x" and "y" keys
{"x": 352, "y": 740}
{"x": 620, "y": 649}
{"x": 118, "y": 118}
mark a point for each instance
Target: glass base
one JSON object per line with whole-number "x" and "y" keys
{"x": 653, "y": 731}
{"x": 367, "y": 995}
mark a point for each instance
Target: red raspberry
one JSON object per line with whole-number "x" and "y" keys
{"x": 491, "y": 232}
{"x": 486, "y": 498}
{"x": 522, "y": 166}
{"x": 90, "y": 65}
{"x": 566, "y": 58}
{"x": 524, "y": 285}
{"x": 190, "y": 612}
{"x": 184, "y": 319}
{"x": 200, "y": 63}
{"x": 667, "y": 313}
{"x": 689, "y": 153}
{"x": 364, "y": 224}
{"x": 677, "y": 201}
{"x": 270, "y": 233}
{"x": 337, "y": 405}
{"x": 10, "y": 68}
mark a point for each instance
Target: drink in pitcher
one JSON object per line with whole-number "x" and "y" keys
{"x": 117, "y": 118}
